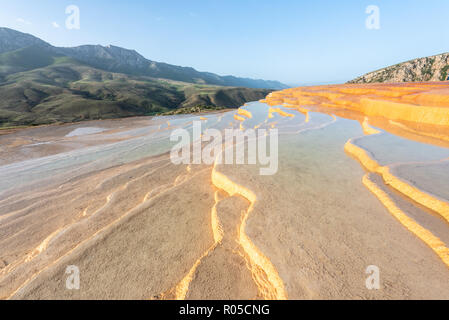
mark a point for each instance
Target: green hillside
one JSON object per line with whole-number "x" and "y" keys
{"x": 66, "y": 91}
{"x": 42, "y": 84}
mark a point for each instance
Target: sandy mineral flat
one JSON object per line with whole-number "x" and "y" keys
{"x": 362, "y": 180}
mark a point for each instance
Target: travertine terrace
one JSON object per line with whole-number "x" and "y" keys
{"x": 421, "y": 107}
{"x": 417, "y": 109}
{"x": 362, "y": 180}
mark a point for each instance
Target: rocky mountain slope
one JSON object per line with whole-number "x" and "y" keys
{"x": 68, "y": 91}
{"x": 434, "y": 68}
{"x": 42, "y": 84}
{"x": 116, "y": 59}
{"x": 12, "y": 40}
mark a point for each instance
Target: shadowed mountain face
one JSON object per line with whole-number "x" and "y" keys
{"x": 434, "y": 68}
{"x": 41, "y": 84}
{"x": 12, "y": 40}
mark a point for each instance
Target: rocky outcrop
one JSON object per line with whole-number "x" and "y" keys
{"x": 12, "y": 40}
{"x": 434, "y": 68}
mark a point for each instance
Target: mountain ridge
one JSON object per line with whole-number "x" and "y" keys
{"x": 39, "y": 84}
{"x": 42, "y": 84}
{"x": 431, "y": 68}
{"x": 11, "y": 40}
{"x": 117, "y": 59}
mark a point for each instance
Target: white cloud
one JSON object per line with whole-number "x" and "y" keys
{"x": 21, "y": 20}
{"x": 55, "y": 24}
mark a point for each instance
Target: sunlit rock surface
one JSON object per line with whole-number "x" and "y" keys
{"x": 362, "y": 179}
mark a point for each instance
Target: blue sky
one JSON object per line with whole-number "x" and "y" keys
{"x": 294, "y": 41}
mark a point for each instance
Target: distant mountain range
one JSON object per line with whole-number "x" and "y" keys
{"x": 40, "y": 83}
{"x": 434, "y": 68}
{"x": 120, "y": 60}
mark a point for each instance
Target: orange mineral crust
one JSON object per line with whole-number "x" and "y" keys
{"x": 419, "y": 108}
{"x": 106, "y": 197}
